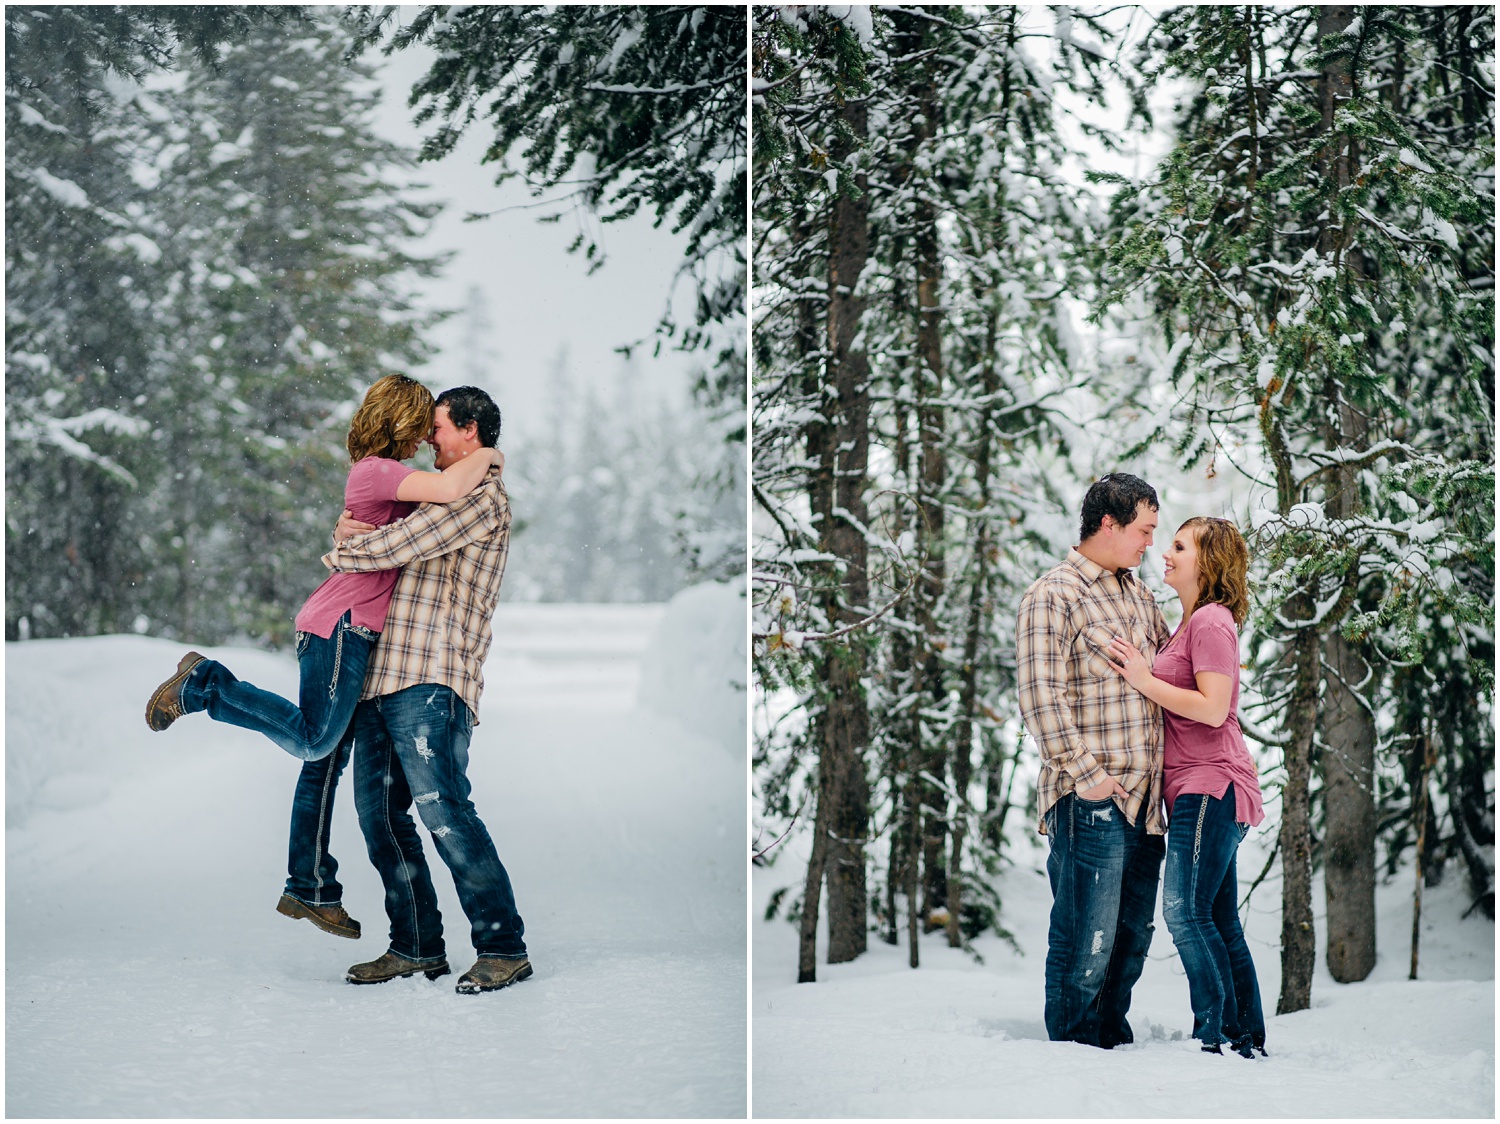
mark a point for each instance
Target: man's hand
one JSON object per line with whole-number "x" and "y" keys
{"x": 1103, "y": 791}
{"x": 498, "y": 458}
{"x": 348, "y": 527}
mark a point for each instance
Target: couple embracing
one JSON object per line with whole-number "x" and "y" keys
{"x": 390, "y": 650}
{"x": 1142, "y": 761}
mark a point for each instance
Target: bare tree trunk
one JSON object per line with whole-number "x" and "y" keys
{"x": 847, "y": 720}
{"x": 1298, "y": 939}
{"x": 1299, "y": 942}
{"x": 1349, "y": 815}
{"x": 1422, "y": 811}
{"x": 968, "y": 695}
{"x": 807, "y": 936}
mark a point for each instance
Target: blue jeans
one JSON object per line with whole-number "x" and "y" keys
{"x": 1201, "y": 906}
{"x": 312, "y": 873}
{"x": 1103, "y": 872}
{"x": 412, "y": 746}
{"x": 332, "y": 672}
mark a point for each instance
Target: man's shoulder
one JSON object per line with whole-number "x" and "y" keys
{"x": 1063, "y": 581}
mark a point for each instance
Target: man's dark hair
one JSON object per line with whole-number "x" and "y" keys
{"x": 467, "y": 404}
{"x": 1117, "y": 495}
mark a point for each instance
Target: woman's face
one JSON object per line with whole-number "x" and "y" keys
{"x": 1181, "y": 565}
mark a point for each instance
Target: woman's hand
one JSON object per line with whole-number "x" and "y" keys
{"x": 1126, "y": 659}
{"x": 348, "y": 527}
{"x": 498, "y": 459}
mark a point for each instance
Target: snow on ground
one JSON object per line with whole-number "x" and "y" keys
{"x": 872, "y": 1038}
{"x": 148, "y": 973}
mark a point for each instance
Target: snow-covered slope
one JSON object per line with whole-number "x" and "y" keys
{"x": 147, "y": 973}
{"x": 873, "y": 1038}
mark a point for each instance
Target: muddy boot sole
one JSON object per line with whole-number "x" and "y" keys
{"x": 289, "y": 906}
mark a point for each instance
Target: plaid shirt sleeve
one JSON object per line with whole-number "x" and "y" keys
{"x": 1042, "y": 670}
{"x": 438, "y": 627}
{"x": 432, "y": 530}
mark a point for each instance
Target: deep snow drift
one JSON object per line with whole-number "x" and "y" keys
{"x": 873, "y": 1038}
{"x": 149, "y": 975}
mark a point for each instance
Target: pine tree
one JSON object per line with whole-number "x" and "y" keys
{"x": 82, "y": 268}
{"x": 607, "y": 111}
{"x": 1303, "y": 227}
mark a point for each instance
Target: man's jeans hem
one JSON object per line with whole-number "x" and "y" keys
{"x": 440, "y": 958}
{"x": 522, "y": 955}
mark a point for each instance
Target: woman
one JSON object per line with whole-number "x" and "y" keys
{"x": 1210, "y": 784}
{"x": 337, "y": 629}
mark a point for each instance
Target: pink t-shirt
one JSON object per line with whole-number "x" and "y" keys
{"x": 1202, "y": 758}
{"x": 370, "y": 495}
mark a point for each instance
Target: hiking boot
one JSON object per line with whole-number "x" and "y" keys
{"x": 165, "y": 706}
{"x": 491, "y": 973}
{"x": 330, "y": 918}
{"x": 390, "y": 967}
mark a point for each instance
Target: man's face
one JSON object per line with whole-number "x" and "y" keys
{"x": 1128, "y": 544}
{"x": 449, "y": 443}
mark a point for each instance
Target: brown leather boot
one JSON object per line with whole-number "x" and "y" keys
{"x": 491, "y": 973}
{"x": 330, "y": 918}
{"x": 165, "y": 706}
{"x": 389, "y": 966}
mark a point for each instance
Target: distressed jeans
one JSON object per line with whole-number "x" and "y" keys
{"x": 332, "y": 673}
{"x": 1200, "y": 902}
{"x": 1103, "y": 872}
{"x": 412, "y": 747}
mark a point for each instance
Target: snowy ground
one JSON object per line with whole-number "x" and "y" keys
{"x": 873, "y": 1038}
{"x": 148, "y": 975}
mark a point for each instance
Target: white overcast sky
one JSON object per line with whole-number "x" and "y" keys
{"x": 540, "y": 300}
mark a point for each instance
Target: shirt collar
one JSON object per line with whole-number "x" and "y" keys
{"x": 1091, "y": 571}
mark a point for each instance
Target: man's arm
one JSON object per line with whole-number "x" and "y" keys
{"x": 429, "y": 532}
{"x": 1042, "y": 673}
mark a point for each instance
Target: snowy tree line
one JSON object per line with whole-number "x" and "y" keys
{"x": 204, "y": 271}
{"x": 1291, "y": 316}
{"x": 208, "y": 262}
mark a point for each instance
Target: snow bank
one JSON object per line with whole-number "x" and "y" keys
{"x": 694, "y": 668}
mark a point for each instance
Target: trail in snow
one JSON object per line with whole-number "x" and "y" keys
{"x": 149, "y": 975}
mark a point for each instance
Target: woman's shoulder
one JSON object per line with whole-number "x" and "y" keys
{"x": 1214, "y": 616}
{"x": 378, "y": 466}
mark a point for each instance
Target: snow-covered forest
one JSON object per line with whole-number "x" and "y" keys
{"x": 1244, "y": 252}
{"x": 212, "y": 251}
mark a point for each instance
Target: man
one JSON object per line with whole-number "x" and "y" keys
{"x": 419, "y": 704}
{"x": 1099, "y": 794}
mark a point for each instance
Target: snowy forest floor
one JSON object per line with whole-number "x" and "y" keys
{"x": 148, "y": 973}
{"x": 873, "y": 1038}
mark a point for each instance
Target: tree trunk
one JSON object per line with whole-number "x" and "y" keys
{"x": 1348, "y": 760}
{"x": 1298, "y": 939}
{"x": 1349, "y": 814}
{"x": 1349, "y": 727}
{"x": 846, "y": 726}
{"x": 1299, "y": 942}
{"x": 1422, "y": 811}
{"x": 968, "y": 694}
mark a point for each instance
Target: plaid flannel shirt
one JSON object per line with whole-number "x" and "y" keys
{"x": 437, "y": 629}
{"x": 1089, "y": 723}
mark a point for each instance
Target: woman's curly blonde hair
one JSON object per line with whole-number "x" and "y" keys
{"x": 394, "y": 418}
{"x": 1223, "y": 565}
